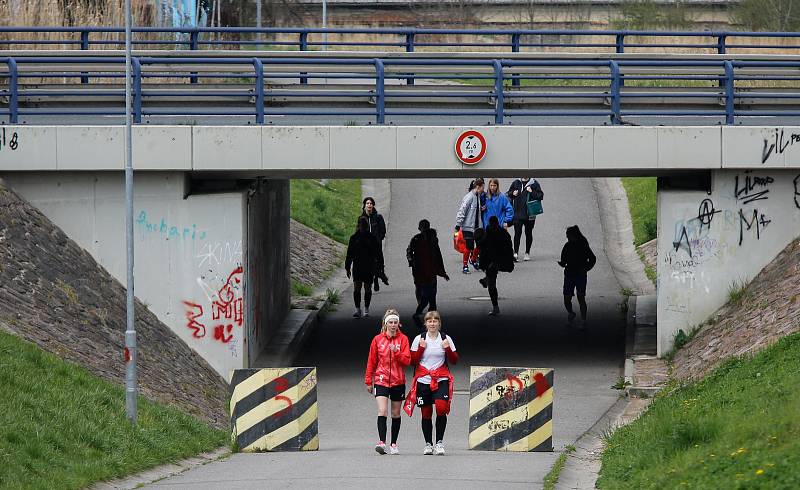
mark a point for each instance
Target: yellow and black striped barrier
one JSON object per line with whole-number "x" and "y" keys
{"x": 510, "y": 409}
{"x": 274, "y": 409}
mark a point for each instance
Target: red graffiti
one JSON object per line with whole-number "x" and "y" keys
{"x": 227, "y": 292}
{"x": 511, "y": 381}
{"x": 194, "y": 312}
{"x": 228, "y": 311}
{"x": 281, "y": 385}
{"x": 541, "y": 384}
{"x": 219, "y": 333}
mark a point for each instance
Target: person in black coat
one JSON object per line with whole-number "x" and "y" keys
{"x": 364, "y": 258}
{"x": 377, "y": 226}
{"x": 425, "y": 259}
{"x": 520, "y": 192}
{"x": 496, "y": 255}
{"x": 577, "y": 259}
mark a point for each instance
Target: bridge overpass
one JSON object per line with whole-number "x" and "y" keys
{"x": 219, "y": 134}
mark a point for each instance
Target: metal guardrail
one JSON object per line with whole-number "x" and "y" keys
{"x": 408, "y": 39}
{"x": 500, "y": 88}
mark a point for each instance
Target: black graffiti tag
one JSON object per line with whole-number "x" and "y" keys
{"x": 683, "y": 238}
{"x": 777, "y": 144}
{"x": 797, "y": 191}
{"x": 706, "y": 213}
{"x": 759, "y": 221}
{"x": 745, "y": 189}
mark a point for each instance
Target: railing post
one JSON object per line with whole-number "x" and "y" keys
{"x": 515, "y": 82}
{"x": 13, "y": 92}
{"x": 729, "y": 94}
{"x": 499, "y": 101}
{"x": 303, "y": 47}
{"x": 620, "y": 42}
{"x": 194, "y": 45}
{"x": 136, "y": 66}
{"x": 380, "y": 93}
{"x": 259, "y": 68}
{"x": 721, "y": 48}
{"x": 84, "y": 47}
{"x": 410, "y": 49}
{"x": 615, "y": 95}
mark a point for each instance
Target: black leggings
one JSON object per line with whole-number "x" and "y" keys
{"x": 491, "y": 282}
{"x": 528, "y": 225}
{"x": 357, "y": 293}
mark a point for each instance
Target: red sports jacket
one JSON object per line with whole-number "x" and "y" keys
{"x": 385, "y": 367}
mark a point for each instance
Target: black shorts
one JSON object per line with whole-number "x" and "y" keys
{"x": 469, "y": 239}
{"x": 396, "y": 393}
{"x": 573, "y": 284}
{"x": 426, "y": 397}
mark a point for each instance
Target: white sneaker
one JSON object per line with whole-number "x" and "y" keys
{"x": 357, "y": 313}
{"x": 366, "y": 312}
{"x": 527, "y": 257}
{"x": 516, "y": 256}
{"x": 428, "y": 449}
{"x": 393, "y": 449}
{"x": 439, "y": 448}
{"x": 380, "y": 447}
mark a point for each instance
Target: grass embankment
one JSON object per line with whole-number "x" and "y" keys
{"x": 332, "y": 209}
{"x": 61, "y": 427}
{"x": 737, "y": 428}
{"x": 641, "y": 192}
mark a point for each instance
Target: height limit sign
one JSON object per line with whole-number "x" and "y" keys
{"x": 470, "y": 147}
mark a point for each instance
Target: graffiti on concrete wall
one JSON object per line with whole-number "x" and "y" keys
{"x": 777, "y": 143}
{"x": 162, "y": 228}
{"x": 796, "y": 183}
{"x": 748, "y": 189}
{"x": 225, "y": 312}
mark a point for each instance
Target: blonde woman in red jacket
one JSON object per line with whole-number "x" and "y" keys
{"x": 433, "y": 382}
{"x": 385, "y": 377}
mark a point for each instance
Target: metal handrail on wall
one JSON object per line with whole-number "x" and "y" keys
{"x": 249, "y": 84}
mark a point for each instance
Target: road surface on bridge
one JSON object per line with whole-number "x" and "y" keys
{"x": 531, "y": 331}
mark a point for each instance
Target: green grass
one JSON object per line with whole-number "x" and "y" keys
{"x": 551, "y": 478}
{"x": 649, "y": 270}
{"x": 641, "y": 193}
{"x": 61, "y": 427}
{"x": 331, "y": 210}
{"x": 300, "y": 289}
{"x": 739, "y": 428}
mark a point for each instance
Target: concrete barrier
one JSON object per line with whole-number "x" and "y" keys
{"x": 510, "y": 409}
{"x": 274, "y": 409}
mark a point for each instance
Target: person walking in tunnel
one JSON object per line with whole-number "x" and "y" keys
{"x": 385, "y": 376}
{"x": 468, "y": 220}
{"x": 577, "y": 259}
{"x": 377, "y": 226}
{"x": 364, "y": 258}
{"x": 425, "y": 259}
{"x": 432, "y": 387}
{"x": 521, "y": 192}
{"x": 496, "y": 256}
{"x": 497, "y": 204}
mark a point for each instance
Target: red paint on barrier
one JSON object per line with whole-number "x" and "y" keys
{"x": 541, "y": 384}
{"x": 512, "y": 380}
{"x": 281, "y": 385}
{"x": 127, "y": 354}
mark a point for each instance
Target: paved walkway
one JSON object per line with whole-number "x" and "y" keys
{"x": 530, "y": 332}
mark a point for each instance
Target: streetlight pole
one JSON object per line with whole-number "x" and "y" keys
{"x": 131, "y": 390}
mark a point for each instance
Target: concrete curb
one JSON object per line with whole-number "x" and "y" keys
{"x": 618, "y": 236}
{"x": 298, "y": 325}
{"x": 164, "y": 471}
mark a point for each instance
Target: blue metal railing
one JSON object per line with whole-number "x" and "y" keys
{"x": 244, "y": 90}
{"x": 401, "y": 38}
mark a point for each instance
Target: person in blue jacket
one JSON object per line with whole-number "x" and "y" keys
{"x": 497, "y": 204}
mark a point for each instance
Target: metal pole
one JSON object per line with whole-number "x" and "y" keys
{"x": 324, "y": 25}
{"x": 131, "y": 390}
{"x": 258, "y": 23}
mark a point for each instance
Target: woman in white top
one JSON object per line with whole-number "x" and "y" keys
{"x": 433, "y": 382}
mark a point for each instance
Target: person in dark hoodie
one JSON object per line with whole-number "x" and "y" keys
{"x": 577, "y": 259}
{"x": 496, "y": 255}
{"x": 363, "y": 256}
{"x": 425, "y": 259}
{"x": 377, "y": 226}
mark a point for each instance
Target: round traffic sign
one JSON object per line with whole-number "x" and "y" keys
{"x": 470, "y": 147}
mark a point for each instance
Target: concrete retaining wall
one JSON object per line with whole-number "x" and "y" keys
{"x": 710, "y": 243}
{"x": 189, "y": 255}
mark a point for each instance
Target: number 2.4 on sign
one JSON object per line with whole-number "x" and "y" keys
{"x": 9, "y": 139}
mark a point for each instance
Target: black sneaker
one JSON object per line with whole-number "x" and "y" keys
{"x": 483, "y": 282}
{"x": 494, "y": 312}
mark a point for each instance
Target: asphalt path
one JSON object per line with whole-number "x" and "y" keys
{"x": 531, "y": 332}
